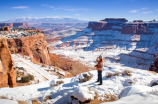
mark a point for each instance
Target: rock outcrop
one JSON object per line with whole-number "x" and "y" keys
{"x": 34, "y": 46}
{"x": 139, "y": 27}
{"x": 6, "y": 24}
{"x": 107, "y": 24}
{"x": 5, "y": 28}
{"x": 15, "y": 25}
{"x": 7, "y": 73}
{"x": 154, "y": 66}
{"x": 121, "y": 24}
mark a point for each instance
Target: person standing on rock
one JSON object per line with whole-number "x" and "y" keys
{"x": 99, "y": 67}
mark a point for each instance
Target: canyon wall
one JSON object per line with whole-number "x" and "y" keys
{"x": 15, "y": 25}
{"x": 7, "y": 73}
{"x": 154, "y": 66}
{"x": 107, "y": 24}
{"x": 139, "y": 28}
{"x": 135, "y": 27}
{"x": 34, "y": 46}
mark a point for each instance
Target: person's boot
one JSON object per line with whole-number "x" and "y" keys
{"x": 99, "y": 84}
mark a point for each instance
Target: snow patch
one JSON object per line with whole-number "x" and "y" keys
{"x": 83, "y": 94}
{"x": 6, "y": 101}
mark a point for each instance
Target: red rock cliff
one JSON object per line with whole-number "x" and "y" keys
{"x": 107, "y": 24}
{"x": 139, "y": 27}
{"x": 5, "y": 28}
{"x": 7, "y": 73}
{"x": 6, "y": 24}
{"x": 34, "y": 46}
{"x": 154, "y": 66}
{"x": 15, "y": 25}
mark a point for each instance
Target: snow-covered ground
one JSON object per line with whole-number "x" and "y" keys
{"x": 61, "y": 94}
{"x": 38, "y": 71}
{"x": 115, "y": 59}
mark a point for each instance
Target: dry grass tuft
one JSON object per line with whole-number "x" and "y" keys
{"x": 47, "y": 98}
{"x": 127, "y": 72}
{"x": 58, "y": 83}
{"x": 116, "y": 73}
{"x": 35, "y": 101}
{"x": 3, "y": 97}
{"x": 108, "y": 98}
{"x": 108, "y": 75}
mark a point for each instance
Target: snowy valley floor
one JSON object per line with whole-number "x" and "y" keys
{"x": 140, "y": 90}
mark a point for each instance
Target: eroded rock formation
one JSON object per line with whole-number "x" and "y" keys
{"x": 154, "y": 66}
{"x": 6, "y": 24}
{"x": 5, "y": 28}
{"x": 7, "y": 73}
{"x": 139, "y": 28}
{"x": 34, "y": 46}
{"x": 107, "y": 24}
{"x": 15, "y": 25}
{"x": 121, "y": 24}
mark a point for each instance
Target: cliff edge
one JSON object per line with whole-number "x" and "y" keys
{"x": 7, "y": 73}
{"x": 34, "y": 46}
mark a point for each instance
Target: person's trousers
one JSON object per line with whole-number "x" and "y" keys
{"x": 100, "y": 77}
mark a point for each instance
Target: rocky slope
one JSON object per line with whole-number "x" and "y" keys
{"x": 34, "y": 46}
{"x": 7, "y": 73}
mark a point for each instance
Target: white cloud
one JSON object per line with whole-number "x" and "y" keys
{"x": 136, "y": 10}
{"x": 47, "y": 6}
{"x": 147, "y": 12}
{"x": 133, "y": 11}
{"x": 42, "y": 17}
{"x": 77, "y": 14}
{"x": 65, "y": 8}
{"x": 143, "y": 8}
{"x": 75, "y": 9}
{"x": 20, "y": 7}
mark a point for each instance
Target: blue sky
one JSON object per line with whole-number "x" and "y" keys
{"x": 90, "y": 10}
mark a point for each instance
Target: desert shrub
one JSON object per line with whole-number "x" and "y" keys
{"x": 56, "y": 83}
{"x": 43, "y": 65}
{"x": 21, "y": 68}
{"x": 61, "y": 77}
{"x": 47, "y": 98}
{"x": 108, "y": 75}
{"x": 3, "y": 97}
{"x": 35, "y": 101}
{"x": 154, "y": 84}
{"x": 25, "y": 79}
{"x": 31, "y": 77}
{"x": 59, "y": 82}
{"x": 116, "y": 73}
{"x": 14, "y": 68}
{"x": 127, "y": 72}
{"x": 87, "y": 77}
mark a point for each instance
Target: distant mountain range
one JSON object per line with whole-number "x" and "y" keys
{"x": 46, "y": 20}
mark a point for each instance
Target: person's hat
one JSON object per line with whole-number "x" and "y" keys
{"x": 100, "y": 56}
